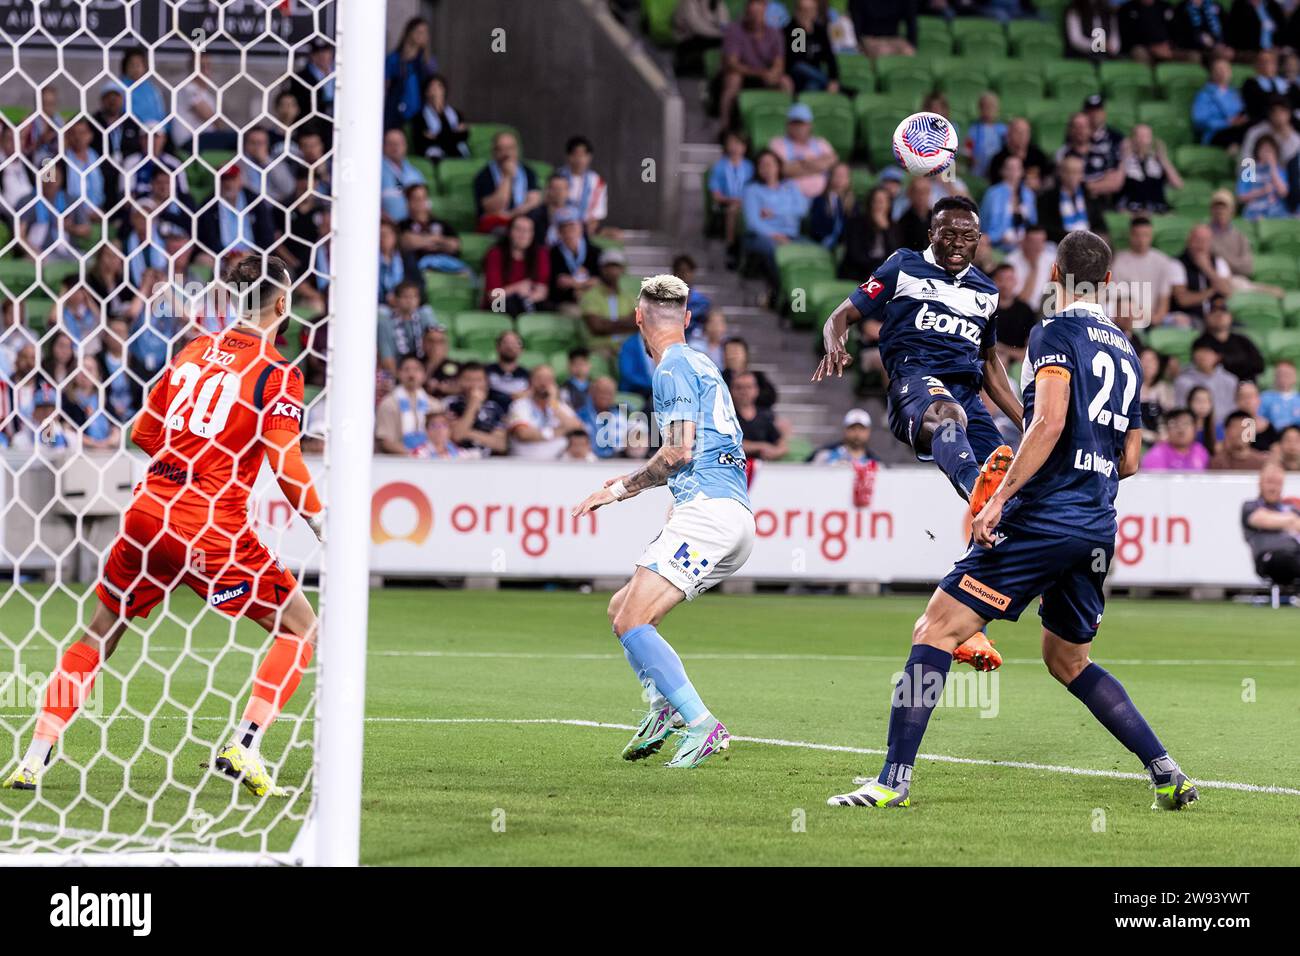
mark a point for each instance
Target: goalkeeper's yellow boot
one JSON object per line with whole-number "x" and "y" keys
{"x": 240, "y": 763}
{"x": 24, "y": 777}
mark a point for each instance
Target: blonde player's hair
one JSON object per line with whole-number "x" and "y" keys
{"x": 665, "y": 290}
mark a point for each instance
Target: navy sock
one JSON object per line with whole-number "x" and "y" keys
{"x": 1106, "y": 698}
{"x": 952, "y": 453}
{"x": 915, "y": 696}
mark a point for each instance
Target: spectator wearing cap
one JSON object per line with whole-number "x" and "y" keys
{"x": 119, "y": 135}
{"x": 1255, "y": 25}
{"x": 1281, "y": 403}
{"x": 753, "y": 57}
{"x": 1102, "y": 166}
{"x": 774, "y": 209}
{"x": 239, "y": 222}
{"x": 1237, "y": 451}
{"x": 810, "y": 59}
{"x": 1066, "y": 205}
{"x": 728, "y": 177}
{"x": 1237, "y": 353}
{"x": 516, "y": 270}
{"x": 1200, "y": 277}
{"x": 1271, "y": 525}
{"x": 879, "y": 22}
{"x": 805, "y": 158}
{"x": 574, "y": 263}
{"x": 505, "y": 187}
{"x": 1199, "y": 28}
{"x": 1147, "y": 171}
{"x": 313, "y": 85}
{"x": 1008, "y": 207}
{"x": 395, "y": 174}
{"x": 1277, "y": 124}
{"x": 1146, "y": 272}
{"x": 1226, "y": 240}
{"x": 539, "y": 421}
{"x": 852, "y": 449}
{"x": 1259, "y": 90}
{"x": 1179, "y": 450}
{"x": 439, "y": 131}
{"x": 1218, "y": 112}
{"x": 1263, "y": 189}
{"x": 1145, "y": 29}
{"x": 401, "y": 418}
{"x": 608, "y": 308}
{"x": 588, "y": 191}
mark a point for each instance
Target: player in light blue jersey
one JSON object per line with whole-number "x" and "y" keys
{"x": 709, "y": 533}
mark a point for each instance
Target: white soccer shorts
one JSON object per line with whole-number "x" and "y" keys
{"x": 705, "y": 541}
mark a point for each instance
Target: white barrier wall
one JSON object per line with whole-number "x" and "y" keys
{"x": 511, "y": 519}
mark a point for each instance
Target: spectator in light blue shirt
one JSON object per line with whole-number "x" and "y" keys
{"x": 396, "y": 173}
{"x": 774, "y": 209}
{"x": 145, "y": 103}
{"x": 1218, "y": 112}
{"x": 1280, "y": 405}
{"x": 1262, "y": 188}
{"x": 727, "y": 180}
{"x": 1008, "y": 207}
{"x": 986, "y": 137}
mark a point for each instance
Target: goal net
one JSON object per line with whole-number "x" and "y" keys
{"x": 146, "y": 146}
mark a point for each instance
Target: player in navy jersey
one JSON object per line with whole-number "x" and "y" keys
{"x": 937, "y": 339}
{"x": 709, "y": 534}
{"x": 1048, "y": 529}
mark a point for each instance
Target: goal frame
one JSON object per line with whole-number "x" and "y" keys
{"x": 331, "y": 833}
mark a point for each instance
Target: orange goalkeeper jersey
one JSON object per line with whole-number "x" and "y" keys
{"x": 203, "y": 427}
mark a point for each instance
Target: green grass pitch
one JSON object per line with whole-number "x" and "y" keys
{"x": 468, "y": 762}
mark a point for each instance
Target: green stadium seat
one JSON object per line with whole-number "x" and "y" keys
{"x": 1155, "y": 112}
{"x": 1207, "y": 162}
{"x": 1282, "y": 344}
{"x": 457, "y": 176}
{"x": 1117, "y": 223}
{"x": 633, "y": 401}
{"x": 1037, "y": 49}
{"x": 1270, "y": 232}
{"x": 541, "y": 170}
{"x": 16, "y": 274}
{"x": 856, "y": 73}
{"x": 1182, "y": 90}
{"x": 16, "y": 114}
{"x": 473, "y": 247}
{"x": 892, "y": 69}
{"x": 797, "y": 283}
{"x": 1241, "y": 72}
{"x": 825, "y": 296}
{"x": 880, "y": 139}
{"x": 424, "y": 166}
{"x": 548, "y": 331}
{"x": 1121, "y": 114}
{"x": 774, "y": 100}
{"x": 763, "y": 130}
{"x": 823, "y": 102}
{"x": 484, "y": 355}
{"x": 837, "y": 127}
{"x": 798, "y": 449}
{"x": 712, "y": 61}
{"x": 1172, "y": 132}
{"x": 802, "y": 252}
{"x": 1049, "y": 132}
{"x": 907, "y": 94}
{"x": 477, "y": 330}
{"x": 481, "y": 135}
{"x": 1258, "y": 310}
{"x": 1171, "y": 232}
{"x": 658, "y": 16}
{"x": 1280, "y": 269}
{"x": 1291, "y": 308}
{"x": 1114, "y": 70}
{"x": 449, "y": 291}
{"x": 1166, "y": 73}
{"x": 1171, "y": 341}
{"x": 976, "y": 33}
{"x": 1193, "y": 198}
{"x": 976, "y": 185}
{"x": 1011, "y": 77}
{"x": 1070, "y": 79}
{"x": 1035, "y": 34}
{"x": 458, "y": 210}
{"x": 560, "y": 365}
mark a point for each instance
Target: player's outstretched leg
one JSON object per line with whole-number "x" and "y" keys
{"x": 938, "y": 631}
{"x": 634, "y": 613}
{"x": 64, "y": 694}
{"x": 943, "y": 435}
{"x": 294, "y": 629}
{"x": 1106, "y": 698}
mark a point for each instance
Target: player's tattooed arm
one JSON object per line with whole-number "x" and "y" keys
{"x": 997, "y": 385}
{"x": 673, "y": 455}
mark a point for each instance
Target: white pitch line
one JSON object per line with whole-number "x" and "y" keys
{"x": 797, "y": 744}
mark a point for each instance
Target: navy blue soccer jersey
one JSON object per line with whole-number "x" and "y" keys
{"x": 1074, "y": 492}
{"x": 932, "y": 322}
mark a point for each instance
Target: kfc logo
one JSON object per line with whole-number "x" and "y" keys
{"x": 287, "y": 410}
{"x": 872, "y": 287}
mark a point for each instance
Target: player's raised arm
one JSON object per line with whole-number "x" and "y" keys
{"x": 863, "y": 302}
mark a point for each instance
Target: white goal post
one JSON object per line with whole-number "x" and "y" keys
{"x": 173, "y": 819}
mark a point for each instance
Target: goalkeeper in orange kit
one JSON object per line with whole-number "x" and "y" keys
{"x": 227, "y": 401}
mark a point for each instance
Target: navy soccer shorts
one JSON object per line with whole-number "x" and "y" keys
{"x": 997, "y": 583}
{"x": 911, "y": 395}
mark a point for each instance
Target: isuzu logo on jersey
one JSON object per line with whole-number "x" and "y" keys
{"x": 927, "y": 320}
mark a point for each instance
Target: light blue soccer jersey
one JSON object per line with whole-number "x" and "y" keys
{"x": 689, "y": 387}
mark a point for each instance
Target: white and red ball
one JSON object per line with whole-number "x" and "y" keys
{"x": 925, "y": 144}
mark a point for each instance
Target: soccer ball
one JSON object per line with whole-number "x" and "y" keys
{"x": 925, "y": 144}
